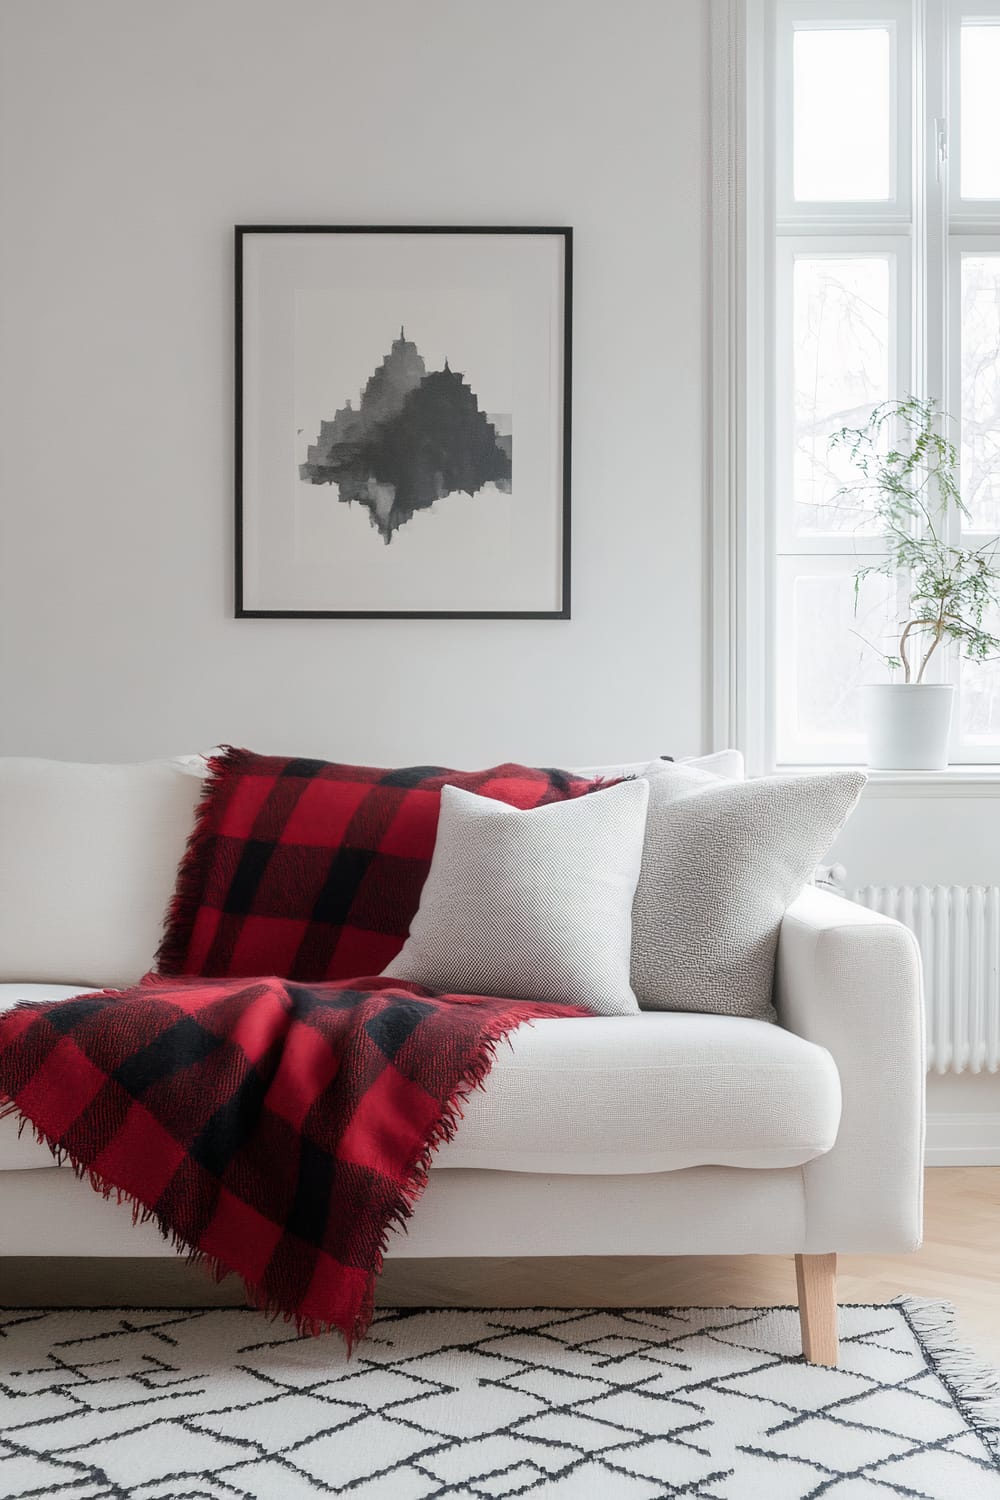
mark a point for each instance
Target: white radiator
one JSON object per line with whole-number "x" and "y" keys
{"x": 958, "y": 929}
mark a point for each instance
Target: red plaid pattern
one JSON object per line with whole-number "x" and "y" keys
{"x": 314, "y": 870}
{"x": 274, "y": 1129}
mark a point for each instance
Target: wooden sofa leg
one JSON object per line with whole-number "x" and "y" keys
{"x": 816, "y": 1276}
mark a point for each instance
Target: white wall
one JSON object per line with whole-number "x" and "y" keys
{"x": 134, "y": 134}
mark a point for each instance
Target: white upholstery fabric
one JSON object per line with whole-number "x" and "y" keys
{"x": 535, "y": 904}
{"x": 850, "y": 980}
{"x": 727, "y": 764}
{"x": 615, "y": 1094}
{"x": 697, "y": 1212}
{"x": 88, "y": 861}
{"x": 705, "y": 1211}
{"x": 649, "y": 1093}
{"x": 616, "y": 770}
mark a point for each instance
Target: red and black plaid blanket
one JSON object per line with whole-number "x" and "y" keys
{"x": 314, "y": 869}
{"x": 274, "y": 1129}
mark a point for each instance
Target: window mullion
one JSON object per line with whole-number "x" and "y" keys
{"x": 930, "y": 199}
{"x": 798, "y": 694}
{"x": 931, "y": 354}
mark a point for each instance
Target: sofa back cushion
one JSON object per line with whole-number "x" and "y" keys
{"x": 88, "y": 860}
{"x": 727, "y": 764}
{"x": 313, "y": 870}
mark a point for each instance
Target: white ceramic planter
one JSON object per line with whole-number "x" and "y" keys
{"x": 908, "y": 725}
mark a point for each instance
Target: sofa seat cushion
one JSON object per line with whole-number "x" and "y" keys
{"x": 653, "y": 1092}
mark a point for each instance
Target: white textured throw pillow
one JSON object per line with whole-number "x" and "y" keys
{"x": 535, "y": 904}
{"x": 721, "y": 865}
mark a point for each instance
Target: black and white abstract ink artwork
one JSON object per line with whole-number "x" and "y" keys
{"x": 380, "y": 373}
{"x": 416, "y": 436}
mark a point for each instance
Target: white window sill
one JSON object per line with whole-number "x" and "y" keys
{"x": 955, "y": 781}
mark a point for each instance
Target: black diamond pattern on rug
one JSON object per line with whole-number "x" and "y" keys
{"x": 706, "y": 1404}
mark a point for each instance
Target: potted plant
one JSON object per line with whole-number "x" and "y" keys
{"x": 908, "y": 483}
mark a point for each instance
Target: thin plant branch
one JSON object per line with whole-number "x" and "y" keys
{"x": 907, "y": 481}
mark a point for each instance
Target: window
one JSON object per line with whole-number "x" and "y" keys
{"x": 874, "y": 196}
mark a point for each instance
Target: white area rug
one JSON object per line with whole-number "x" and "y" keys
{"x": 553, "y": 1404}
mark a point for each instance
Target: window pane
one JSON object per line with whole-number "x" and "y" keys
{"x": 841, "y": 129}
{"x": 840, "y": 332}
{"x": 981, "y": 389}
{"x": 980, "y": 113}
{"x": 822, "y": 643}
{"x": 980, "y": 717}
{"x": 979, "y": 687}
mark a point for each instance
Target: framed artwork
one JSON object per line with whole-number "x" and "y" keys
{"x": 403, "y": 422}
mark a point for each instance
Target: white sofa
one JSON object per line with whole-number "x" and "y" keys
{"x": 658, "y": 1134}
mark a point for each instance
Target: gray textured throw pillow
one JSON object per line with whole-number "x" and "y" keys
{"x": 536, "y": 904}
{"x": 721, "y": 865}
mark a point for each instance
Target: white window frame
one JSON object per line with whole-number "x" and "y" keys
{"x": 754, "y": 225}
{"x": 846, "y": 15}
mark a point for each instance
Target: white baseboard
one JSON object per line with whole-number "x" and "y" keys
{"x": 963, "y": 1139}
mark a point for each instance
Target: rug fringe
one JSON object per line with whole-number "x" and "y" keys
{"x": 973, "y": 1382}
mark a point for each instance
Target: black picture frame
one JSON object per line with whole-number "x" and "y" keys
{"x": 563, "y": 611}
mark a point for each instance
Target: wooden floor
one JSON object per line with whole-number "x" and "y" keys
{"x": 960, "y": 1261}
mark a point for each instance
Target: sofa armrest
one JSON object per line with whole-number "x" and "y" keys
{"x": 849, "y": 979}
